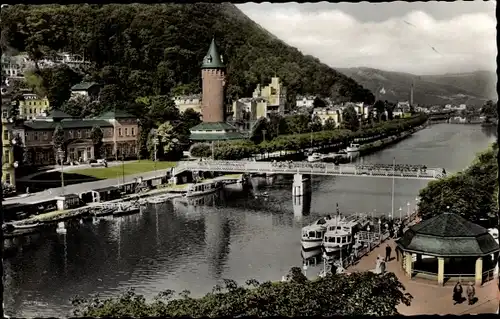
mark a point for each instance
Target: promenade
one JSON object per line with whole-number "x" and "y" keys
{"x": 428, "y": 297}
{"x": 79, "y": 188}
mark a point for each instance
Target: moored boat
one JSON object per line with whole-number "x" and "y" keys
{"x": 312, "y": 235}
{"x": 315, "y": 157}
{"x": 352, "y": 148}
{"x": 200, "y": 189}
{"x": 127, "y": 210}
{"x": 336, "y": 240}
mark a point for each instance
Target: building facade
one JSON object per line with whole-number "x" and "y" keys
{"x": 32, "y": 106}
{"x": 184, "y": 102}
{"x": 304, "y": 101}
{"x": 87, "y": 89}
{"x": 324, "y": 114}
{"x": 120, "y": 133}
{"x": 274, "y": 96}
{"x": 8, "y": 169}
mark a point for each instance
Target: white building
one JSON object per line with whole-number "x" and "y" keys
{"x": 305, "y": 101}
{"x": 184, "y": 102}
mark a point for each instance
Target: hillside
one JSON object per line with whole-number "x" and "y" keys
{"x": 153, "y": 49}
{"x": 471, "y": 88}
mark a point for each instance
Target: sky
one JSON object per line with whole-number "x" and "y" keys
{"x": 413, "y": 37}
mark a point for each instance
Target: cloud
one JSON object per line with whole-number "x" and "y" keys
{"x": 465, "y": 42}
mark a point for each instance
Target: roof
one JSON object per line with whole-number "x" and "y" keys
{"x": 215, "y": 126}
{"x": 216, "y": 136}
{"x": 83, "y": 86}
{"x": 212, "y": 59}
{"x": 66, "y": 124}
{"x": 105, "y": 189}
{"x": 448, "y": 235}
{"x": 58, "y": 114}
{"x": 116, "y": 114}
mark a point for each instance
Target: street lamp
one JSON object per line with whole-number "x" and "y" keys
{"x": 379, "y": 230}
{"x": 325, "y": 256}
{"x": 408, "y": 213}
{"x": 60, "y": 153}
{"x": 400, "y": 214}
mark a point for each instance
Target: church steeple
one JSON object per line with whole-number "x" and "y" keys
{"x": 213, "y": 60}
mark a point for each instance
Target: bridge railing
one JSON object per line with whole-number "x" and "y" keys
{"x": 306, "y": 168}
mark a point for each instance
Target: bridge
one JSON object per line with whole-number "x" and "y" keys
{"x": 381, "y": 171}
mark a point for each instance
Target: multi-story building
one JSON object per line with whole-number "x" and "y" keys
{"x": 88, "y": 89}
{"x": 184, "y": 102}
{"x": 305, "y": 101}
{"x": 274, "y": 96}
{"x": 120, "y": 133}
{"x": 8, "y": 168}
{"x": 325, "y": 114}
{"x": 32, "y": 105}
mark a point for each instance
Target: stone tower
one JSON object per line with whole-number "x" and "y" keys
{"x": 213, "y": 81}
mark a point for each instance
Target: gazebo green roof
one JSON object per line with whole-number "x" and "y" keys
{"x": 448, "y": 235}
{"x": 212, "y": 59}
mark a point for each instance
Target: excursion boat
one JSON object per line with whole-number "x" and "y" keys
{"x": 312, "y": 235}
{"x": 315, "y": 157}
{"x": 157, "y": 200}
{"x": 199, "y": 189}
{"x": 354, "y": 147}
{"x": 336, "y": 240}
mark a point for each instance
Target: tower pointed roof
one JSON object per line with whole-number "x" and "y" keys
{"x": 212, "y": 59}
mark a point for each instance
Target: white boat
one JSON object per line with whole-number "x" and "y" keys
{"x": 157, "y": 200}
{"x": 336, "y": 240}
{"x": 312, "y": 235}
{"x": 352, "y": 148}
{"x": 199, "y": 189}
{"x": 314, "y": 158}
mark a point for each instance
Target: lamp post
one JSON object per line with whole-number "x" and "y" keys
{"x": 123, "y": 169}
{"x": 400, "y": 214}
{"x": 408, "y": 212}
{"x": 60, "y": 153}
{"x": 155, "y": 144}
{"x": 379, "y": 230}
{"x": 325, "y": 256}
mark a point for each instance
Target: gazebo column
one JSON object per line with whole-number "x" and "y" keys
{"x": 440, "y": 270}
{"x": 479, "y": 271}
{"x": 408, "y": 264}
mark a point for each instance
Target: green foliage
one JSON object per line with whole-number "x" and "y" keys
{"x": 350, "y": 119}
{"x": 355, "y": 294}
{"x": 489, "y": 110}
{"x": 97, "y": 135}
{"x": 245, "y": 149}
{"x": 471, "y": 193}
{"x": 57, "y": 83}
{"x": 149, "y": 49}
{"x": 318, "y": 103}
{"x": 168, "y": 146}
{"x": 58, "y": 138}
{"x": 330, "y": 124}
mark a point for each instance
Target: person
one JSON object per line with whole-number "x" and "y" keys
{"x": 382, "y": 266}
{"x": 457, "y": 293}
{"x": 388, "y": 253}
{"x": 471, "y": 292}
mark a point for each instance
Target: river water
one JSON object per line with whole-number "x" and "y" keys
{"x": 233, "y": 235}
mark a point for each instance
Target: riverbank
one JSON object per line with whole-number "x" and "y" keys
{"x": 76, "y": 213}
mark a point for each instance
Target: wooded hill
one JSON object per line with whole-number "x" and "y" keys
{"x": 472, "y": 88}
{"x": 149, "y": 50}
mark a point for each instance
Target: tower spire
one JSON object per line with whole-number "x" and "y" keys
{"x": 213, "y": 59}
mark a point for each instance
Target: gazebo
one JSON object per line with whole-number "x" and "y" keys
{"x": 448, "y": 245}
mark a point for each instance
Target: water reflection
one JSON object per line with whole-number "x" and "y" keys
{"x": 194, "y": 244}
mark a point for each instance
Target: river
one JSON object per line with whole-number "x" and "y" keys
{"x": 232, "y": 236}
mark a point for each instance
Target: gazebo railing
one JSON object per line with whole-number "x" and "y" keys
{"x": 488, "y": 275}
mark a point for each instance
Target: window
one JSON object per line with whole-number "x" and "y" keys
{"x": 35, "y": 136}
{"x": 71, "y": 134}
{"x": 79, "y": 133}
{"x": 6, "y": 156}
{"x": 87, "y": 132}
{"x": 5, "y": 114}
{"x": 7, "y": 178}
{"x": 132, "y": 131}
{"x": 119, "y": 132}
{"x": 45, "y": 136}
{"x": 31, "y": 110}
{"x": 126, "y": 131}
{"x": 6, "y": 135}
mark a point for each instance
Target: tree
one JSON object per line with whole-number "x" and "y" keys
{"x": 489, "y": 110}
{"x": 349, "y": 295}
{"x": 379, "y": 107}
{"x": 329, "y": 124}
{"x": 389, "y": 107}
{"x": 472, "y": 193}
{"x": 259, "y": 131}
{"x": 297, "y": 124}
{"x": 80, "y": 106}
{"x": 57, "y": 83}
{"x": 350, "y": 119}
{"x": 96, "y": 135}
{"x": 318, "y": 103}
{"x": 190, "y": 118}
{"x": 168, "y": 146}
{"x": 58, "y": 140}
{"x": 315, "y": 124}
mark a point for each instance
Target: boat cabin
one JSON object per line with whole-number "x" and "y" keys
{"x": 201, "y": 188}
{"x": 67, "y": 201}
{"x": 313, "y": 233}
{"x": 338, "y": 237}
{"x": 105, "y": 194}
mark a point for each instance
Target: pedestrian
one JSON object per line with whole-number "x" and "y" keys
{"x": 471, "y": 292}
{"x": 388, "y": 253}
{"x": 457, "y": 293}
{"x": 382, "y": 267}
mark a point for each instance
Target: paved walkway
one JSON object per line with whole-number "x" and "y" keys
{"x": 79, "y": 188}
{"x": 428, "y": 297}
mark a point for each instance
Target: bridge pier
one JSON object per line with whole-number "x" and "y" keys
{"x": 301, "y": 205}
{"x": 299, "y": 186}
